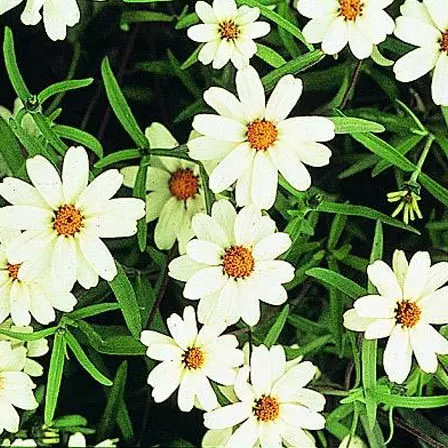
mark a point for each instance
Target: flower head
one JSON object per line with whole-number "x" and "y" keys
{"x": 232, "y": 265}
{"x": 253, "y": 140}
{"x": 360, "y": 23}
{"x": 408, "y": 303}
{"x": 65, "y": 220}
{"x": 190, "y": 359}
{"x": 408, "y": 199}
{"x": 228, "y": 33}
{"x": 425, "y": 25}
{"x": 274, "y": 407}
{"x": 175, "y": 191}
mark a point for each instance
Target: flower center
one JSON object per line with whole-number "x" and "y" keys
{"x": 68, "y": 220}
{"x": 193, "y": 358}
{"x": 238, "y": 262}
{"x": 13, "y": 270}
{"x": 261, "y": 134}
{"x": 350, "y": 9}
{"x": 444, "y": 42}
{"x": 407, "y": 313}
{"x": 184, "y": 184}
{"x": 229, "y": 30}
{"x": 266, "y": 408}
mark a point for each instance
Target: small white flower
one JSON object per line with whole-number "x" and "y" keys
{"x": 232, "y": 265}
{"x": 228, "y": 33}
{"x": 360, "y": 23}
{"x": 175, "y": 192}
{"x": 275, "y": 407}
{"x": 26, "y": 291}
{"x": 57, "y": 14}
{"x": 64, "y": 221}
{"x": 16, "y": 387}
{"x": 22, "y": 443}
{"x": 78, "y": 440}
{"x": 425, "y": 25}
{"x": 254, "y": 141}
{"x": 34, "y": 349}
{"x": 408, "y": 302}
{"x": 28, "y": 123}
{"x": 190, "y": 359}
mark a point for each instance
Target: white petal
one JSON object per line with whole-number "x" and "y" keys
{"x": 183, "y": 330}
{"x": 225, "y": 103}
{"x": 208, "y": 52}
{"x": 205, "y": 252}
{"x": 400, "y": 266}
{"x": 165, "y": 378}
{"x": 381, "y": 328}
{"x": 219, "y": 128}
{"x": 292, "y": 382}
{"x": 360, "y": 45}
{"x": 296, "y": 437}
{"x": 260, "y": 370}
{"x": 246, "y": 435}
{"x": 384, "y": 280}
{"x": 439, "y": 90}
{"x": 336, "y": 38}
{"x": 227, "y": 416}
{"x": 416, "y": 276}
{"x": 275, "y": 270}
{"x": 307, "y": 129}
{"x": 65, "y": 262}
{"x": 292, "y": 169}
{"x": 264, "y": 181}
{"x": 311, "y": 399}
{"x": 224, "y": 214}
{"x": 206, "y": 228}
{"x": 205, "y": 12}
{"x": 250, "y": 310}
{"x": 75, "y": 173}
{"x": 25, "y": 217}
{"x": 416, "y": 64}
{"x": 204, "y": 282}
{"x": 435, "y": 307}
{"x": 398, "y": 355}
{"x": 315, "y": 30}
{"x": 183, "y": 268}
{"x": 314, "y": 154}
{"x": 300, "y": 416}
{"x": 270, "y": 436}
{"x": 317, "y": 8}
{"x": 426, "y": 342}
{"x": 438, "y": 11}
{"x": 245, "y": 225}
{"x": 206, "y": 148}
{"x": 272, "y": 246}
{"x": 224, "y": 9}
{"x": 205, "y": 393}
{"x": 284, "y": 97}
{"x": 203, "y": 32}
{"x": 353, "y": 321}
{"x": 18, "y": 192}
{"x": 223, "y": 54}
{"x": 243, "y": 188}
{"x": 437, "y": 277}
{"x": 171, "y": 216}
{"x": 375, "y": 307}
{"x": 415, "y": 32}
{"x": 251, "y": 93}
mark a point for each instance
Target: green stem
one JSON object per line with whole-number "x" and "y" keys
{"x": 422, "y": 158}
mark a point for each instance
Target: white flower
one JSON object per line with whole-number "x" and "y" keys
{"x": 275, "y": 407}
{"x": 16, "y": 387}
{"x": 78, "y": 440}
{"x": 408, "y": 302}
{"x": 34, "y": 349}
{"x": 28, "y": 123}
{"x": 57, "y": 14}
{"x": 26, "y": 290}
{"x": 22, "y": 443}
{"x": 175, "y": 191}
{"x": 360, "y": 23}
{"x": 232, "y": 265}
{"x": 64, "y": 221}
{"x": 425, "y": 25}
{"x": 253, "y": 141}
{"x": 228, "y": 33}
{"x": 190, "y": 359}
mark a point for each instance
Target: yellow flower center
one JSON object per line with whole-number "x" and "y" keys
{"x": 13, "y": 270}
{"x": 68, "y": 220}
{"x": 444, "y": 42}
{"x": 407, "y": 313}
{"x": 261, "y": 134}
{"x": 193, "y": 358}
{"x": 229, "y": 30}
{"x": 350, "y": 9}
{"x": 266, "y": 408}
{"x": 184, "y": 184}
{"x": 238, "y": 262}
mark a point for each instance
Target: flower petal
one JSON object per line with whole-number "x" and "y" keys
{"x": 384, "y": 280}
{"x": 251, "y": 93}
{"x": 398, "y": 355}
{"x": 75, "y": 174}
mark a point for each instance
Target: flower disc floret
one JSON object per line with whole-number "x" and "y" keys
{"x": 229, "y": 30}
{"x": 266, "y": 408}
{"x": 68, "y": 220}
{"x": 13, "y": 270}
{"x": 193, "y": 358}
{"x": 444, "y": 42}
{"x": 261, "y": 134}
{"x": 238, "y": 262}
{"x": 350, "y": 9}
{"x": 407, "y": 313}
{"x": 183, "y": 184}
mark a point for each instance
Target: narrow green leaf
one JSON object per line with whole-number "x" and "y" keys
{"x": 336, "y": 229}
{"x": 336, "y": 309}
{"x": 85, "y": 361}
{"x": 185, "y": 77}
{"x": 63, "y": 86}
{"x": 269, "y": 56}
{"x": 119, "y": 156}
{"x": 125, "y": 294}
{"x": 399, "y": 401}
{"x": 48, "y": 132}
{"x": 120, "y": 106}
{"x": 192, "y": 59}
{"x": 34, "y": 336}
{"x": 67, "y": 421}
{"x": 274, "y": 333}
{"x": 10, "y": 148}
{"x": 140, "y": 193}
{"x": 349, "y": 125}
{"x": 93, "y": 310}
{"x": 79, "y": 136}
{"x": 368, "y": 363}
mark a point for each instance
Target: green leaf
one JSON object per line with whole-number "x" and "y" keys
{"x": 93, "y": 310}
{"x": 125, "y": 294}
{"x": 10, "y": 148}
{"x": 338, "y": 281}
{"x": 128, "y": 17}
{"x": 34, "y": 336}
{"x": 185, "y": 77}
{"x": 45, "y": 127}
{"x": 368, "y": 361}
{"x": 68, "y": 421}
{"x": 140, "y": 193}
{"x": 121, "y": 107}
{"x": 79, "y": 136}
{"x": 85, "y": 361}
{"x": 336, "y": 309}
{"x": 54, "y": 376}
{"x": 119, "y": 156}
{"x": 269, "y": 56}
{"x": 349, "y": 125}
{"x": 274, "y": 333}
{"x": 63, "y": 86}
{"x": 399, "y": 401}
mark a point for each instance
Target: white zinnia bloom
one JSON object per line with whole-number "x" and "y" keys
{"x": 232, "y": 265}
{"x": 57, "y": 14}
{"x": 190, "y": 359}
{"x": 360, "y": 23}
{"x": 16, "y": 387}
{"x": 274, "y": 407}
{"x": 228, "y": 33}
{"x": 425, "y": 25}
{"x": 175, "y": 192}
{"x": 26, "y": 291}
{"x": 254, "y": 141}
{"x": 34, "y": 349}
{"x": 78, "y": 440}
{"x": 64, "y": 221}
{"x": 408, "y": 302}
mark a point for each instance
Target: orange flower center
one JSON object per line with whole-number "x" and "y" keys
{"x": 407, "y": 313}
{"x": 229, "y": 30}
{"x": 193, "y": 358}
{"x": 238, "y": 262}
{"x": 68, "y": 220}
{"x": 444, "y": 42}
{"x": 350, "y": 9}
{"x": 266, "y": 408}
{"x": 13, "y": 270}
{"x": 261, "y": 134}
{"x": 184, "y": 184}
